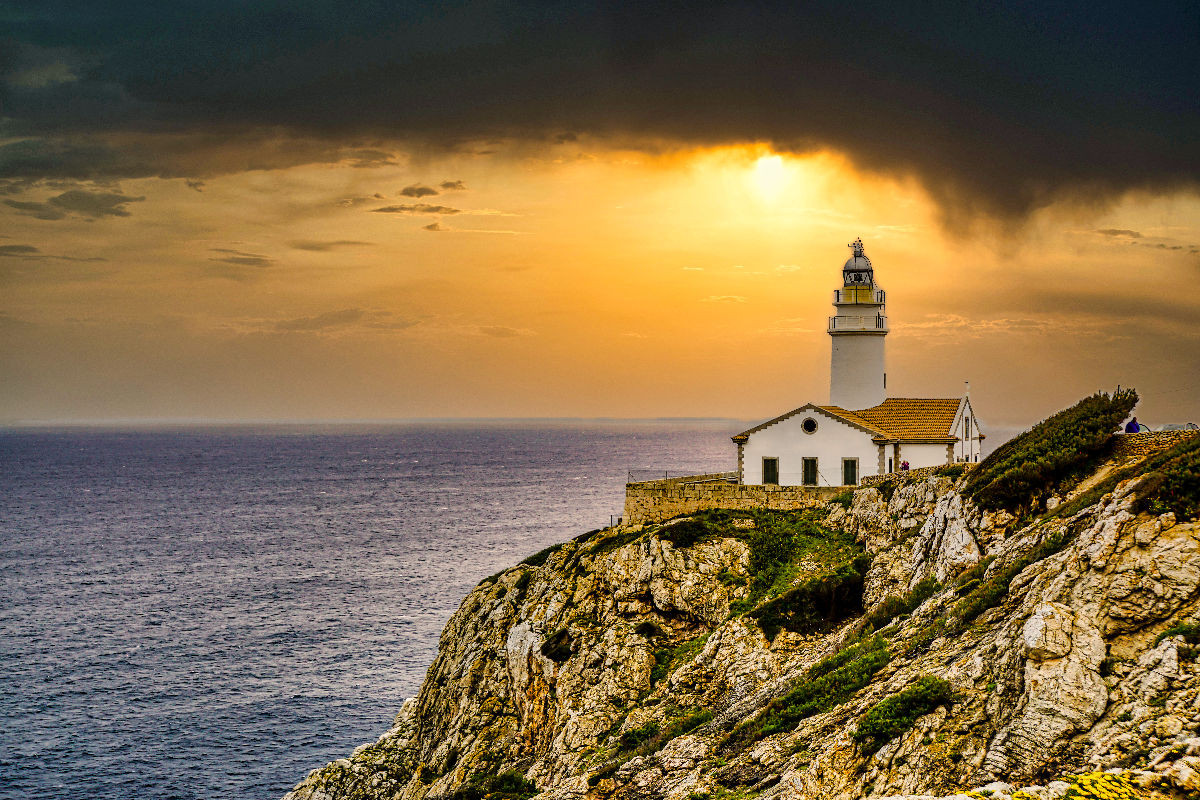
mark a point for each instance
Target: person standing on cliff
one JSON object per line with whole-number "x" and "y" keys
{"x": 1133, "y": 426}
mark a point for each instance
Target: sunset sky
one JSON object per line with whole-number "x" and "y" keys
{"x": 309, "y": 211}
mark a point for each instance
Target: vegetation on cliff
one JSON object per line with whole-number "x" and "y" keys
{"x": 763, "y": 654}
{"x": 1030, "y": 467}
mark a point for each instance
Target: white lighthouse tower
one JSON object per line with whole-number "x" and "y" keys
{"x": 857, "y": 378}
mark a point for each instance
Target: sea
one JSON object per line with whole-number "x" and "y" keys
{"x": 212, "y": 612}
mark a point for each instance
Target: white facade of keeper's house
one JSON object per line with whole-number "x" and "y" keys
{"x": 861, "y": 431}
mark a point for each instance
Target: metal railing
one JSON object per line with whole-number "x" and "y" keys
{"x": 858, "y": 323}
{"x": 683, "y": 476}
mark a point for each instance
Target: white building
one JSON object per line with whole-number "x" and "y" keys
{"x": 833, "y": 445}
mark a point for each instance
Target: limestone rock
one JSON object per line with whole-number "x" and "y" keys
{"x": 589, "y": 673}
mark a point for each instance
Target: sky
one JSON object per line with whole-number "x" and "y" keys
{"x": 226, "y": 211}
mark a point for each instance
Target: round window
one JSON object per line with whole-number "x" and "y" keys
{"x": 809, "y": 425}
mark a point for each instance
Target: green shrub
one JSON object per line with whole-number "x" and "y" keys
{"x": 817, "y": 604}
{"x": 728, "y": 578}
{"x": 1173, "y": 482}
{"x": 539, "y": 558}
{"x": 892, "y": 606}
{"x": 662, "y": 665}
{"x": 896, "y": 714}
{"x": 991, "y": 592}
{"x": 600, "y": 775}
{"x": 686, "y": 532}
{"x": 658, "y": 737}
{"x": 844, "y": 499}
{"x": 1026, "y": 469}
{"x": 618, "y": 540}
{"x": 666, "y": 658}
{"x": 1190, "y": 631}
{"x": 921, "y": 642}
{"x": 509, "y": 785}
{"x": 635, "y": 737}
{"x": 557, "y": 646}
{"x": 952, "y": 471}
{"x": 826, "y": 684}
{"x": 887, "y": 488}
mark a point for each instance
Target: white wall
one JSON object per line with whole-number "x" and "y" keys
{"x": 832, "y": 441}
{"x": 967, "y": 449}
{"x": 856, "y": 371}
{"x": 922, "y": 455}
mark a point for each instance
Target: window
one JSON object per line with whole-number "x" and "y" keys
{"x": 809, "y": 477}
{"x": 809, "y": 425}
{"x": 890, "y": 465}
{"x": 771, "y": 471}
{"x": 849, "y": 471}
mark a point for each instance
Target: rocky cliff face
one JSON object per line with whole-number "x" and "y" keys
{"x": 987, "y": 653}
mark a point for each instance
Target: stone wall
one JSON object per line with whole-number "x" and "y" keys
{"x": 655, "y": 501}
{"x": 911, "y": 474}
{"x": 1131, "y": 446}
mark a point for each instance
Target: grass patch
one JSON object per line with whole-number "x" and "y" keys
{"x": 508, "y": 785}
{"x": 687, "y": 532}
{"x": 539, "y": 558}
{"x": 685, "y": 722}
{"x": 666, "y": 659}
{"x": 826, "y": 684}
{"x": 1173, "y": 481}
{"x": 1190, "y": 631}
{"x": 992, "y": 591}
{"x": 894, "y": 606}
{"x": 952, "y": 471}
{"x": 890, "y": 717}
{"x": 844, "y": 499}
{"x": 1025, "y": 470}
{"x": 607, "y": 544}
{"x": 818, "y": 604}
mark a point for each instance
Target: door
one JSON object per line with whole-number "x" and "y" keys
{"x": 849, "y": 472}
{"x": 810, "y": 472}
{"x": 771, "y": 471}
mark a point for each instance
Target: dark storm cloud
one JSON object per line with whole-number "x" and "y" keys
{"x": 325, "y": 246}
{"x": 241, "y": 259}
{"x": 417, "y": 190}
{"x": 997, "y": 108}
{"x": 76, "y": 202}
{"x": 27, "y": 252}
{"x": 18, "y": 250}
{"x": 453, "y": 186}
{"x": 417, "y": 208}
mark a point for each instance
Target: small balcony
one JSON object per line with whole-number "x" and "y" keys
{"x": 876, "y": 324}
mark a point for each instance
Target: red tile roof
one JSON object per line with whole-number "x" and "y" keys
{"x": 896, "y": 418}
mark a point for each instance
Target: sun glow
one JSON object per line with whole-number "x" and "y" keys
{"x": 770, "y": 177}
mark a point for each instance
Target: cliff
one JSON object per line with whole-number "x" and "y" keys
{"x": 908, "y": 639}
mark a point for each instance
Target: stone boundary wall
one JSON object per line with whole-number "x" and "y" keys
{"x": 1139, "y": 445}
{"x": 655, "y": 501}
{"x": 923, "y": 472}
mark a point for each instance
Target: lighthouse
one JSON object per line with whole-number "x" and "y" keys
{"x": 856, "y": 376}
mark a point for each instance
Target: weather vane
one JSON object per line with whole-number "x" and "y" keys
{"x": 857, "y": 247}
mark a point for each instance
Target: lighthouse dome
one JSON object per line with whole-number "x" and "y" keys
{"x": 857, "y": 264}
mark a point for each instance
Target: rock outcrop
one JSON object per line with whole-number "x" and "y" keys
{"x": 626, "y": 665}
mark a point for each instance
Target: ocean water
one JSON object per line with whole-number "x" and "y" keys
{"x": 211, "y": 613}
